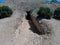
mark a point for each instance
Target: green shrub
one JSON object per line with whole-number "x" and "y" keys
{"x": 57, "y": 13}
{"x": 5, "y": 11}
{"x": 44, "y": 13}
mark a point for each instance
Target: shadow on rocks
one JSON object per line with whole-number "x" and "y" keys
{"x": 33, "y": 28}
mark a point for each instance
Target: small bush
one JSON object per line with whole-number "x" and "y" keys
{"x": 5, "y": 11}
{"x": 57, "y": 13}
{"x": 44, "y": 13}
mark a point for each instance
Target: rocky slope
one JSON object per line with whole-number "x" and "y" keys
{"x": 8, "y": 28}
{"x": 25, "y": 35}
{"x": 54, "y": 26}
{"x": 29, "y": 4}
{"x": 10, "y": 35}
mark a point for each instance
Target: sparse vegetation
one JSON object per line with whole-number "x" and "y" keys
{"x": 5, "y": 11}
{"x": 57, "y": 13}
{"x": 44, "y": 13}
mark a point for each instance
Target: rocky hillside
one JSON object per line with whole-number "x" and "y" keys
{"x": 28, "y": 4}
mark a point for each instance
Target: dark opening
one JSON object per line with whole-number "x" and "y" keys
{"x": 28, "y": 15}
